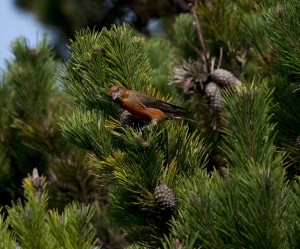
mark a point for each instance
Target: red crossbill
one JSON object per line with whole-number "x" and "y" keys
{"x": 143, "y": 106}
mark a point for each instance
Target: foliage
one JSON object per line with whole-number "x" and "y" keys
{"x": 31, "y": 107}
{"x": 69, "y": 16}
{"x": 249, "y": 207}
{"x": 250, "y": 204}
{"x": 33, "y": 226}
{"x": 184, "y": 35}
{"x": 7, "y": 238}
{"x": 134, "y": 170}
{"x": 28, "y": 89}
{"x": 281, "y": 20}
{"x": 227, "y": 179}
{"x": 282, "y": 26}
{"x": 161, "y": 62}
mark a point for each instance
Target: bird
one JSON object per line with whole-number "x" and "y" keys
{"x": 143, "y": 106}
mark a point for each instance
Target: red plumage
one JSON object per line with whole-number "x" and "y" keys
{"x": 143, "y": 106}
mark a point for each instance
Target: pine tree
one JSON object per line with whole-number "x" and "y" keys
{"x": 68, "y": 16}
{"x": 281, "y": 21}
{"x": 137, "y": 172}
{"x": 218, "y": 65}
{"x": 6, "y": 236}
{"x": 33, "y": 226}
{"x": 251, "y": 206}
{"x": 227, "y": 180}
{"x": 31, "y": 105}
{"x": 27, "y": 91}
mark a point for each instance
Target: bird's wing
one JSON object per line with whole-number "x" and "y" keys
{"x": 149, "y": 101}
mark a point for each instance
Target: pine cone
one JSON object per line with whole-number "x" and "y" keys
{"x": 96, "y": 49}
{"x": 225, "y": 78}
{"x": 127, "y": 119}
{"x": 213, "y": 92}
{"x": 36, "y": 181}
{"x": 164, "y": 196}
{"x": 32, "y": 52}
{"x": 190, "y": 76}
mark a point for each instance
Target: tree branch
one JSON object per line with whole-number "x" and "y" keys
{"x": 199, "y": 34}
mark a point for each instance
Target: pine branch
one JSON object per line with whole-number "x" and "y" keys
{"x": 100, "y": 60}
{"x": 137, "y": 172}
{"x": 251, "y": 206}
{"x": 35, "y": 227}
{"x": 282, "y": 21}
{"x": 30, "y": 91}
{"x": 87, "y": 130}
{"x": 31, "y": 67}
{"x": 71, "y": 228}
{"x": 28, "y": 221}
{"x": 161, "y": 62}
{"x": 248, "y": 124}
{"x": 185, "y": 37}
{"x": 7, "y": 237}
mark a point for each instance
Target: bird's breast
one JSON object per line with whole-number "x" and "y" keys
{"x": 142, "y": 112}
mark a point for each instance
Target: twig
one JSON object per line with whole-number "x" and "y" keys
{"x": 192, "y": 46}
{"x": 199, "y": 35}
{"x": 220, "y": 58}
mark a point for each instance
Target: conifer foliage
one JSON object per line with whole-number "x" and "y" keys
{"x": 31, "y": 106}
{"x": 136, "y": 171}
{"x": 283, "y": 33}
{"x": 34, "y": 226}
{"x": 227, "y": 179}
{"x": 158, "y": 181}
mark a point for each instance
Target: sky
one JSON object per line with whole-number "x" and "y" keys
{"x": 15, "y": 23}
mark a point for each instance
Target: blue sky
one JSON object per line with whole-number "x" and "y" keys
{"x": 15, "y": 23}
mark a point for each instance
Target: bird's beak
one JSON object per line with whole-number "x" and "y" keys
{"x": 113, "y": 95}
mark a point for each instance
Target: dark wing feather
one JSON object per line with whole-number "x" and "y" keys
{"x": 168, "y": 108}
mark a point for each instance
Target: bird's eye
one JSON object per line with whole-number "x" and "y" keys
{"x": 115, "y": 89}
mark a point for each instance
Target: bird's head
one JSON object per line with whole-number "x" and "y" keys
{"x": 114, "y": 92}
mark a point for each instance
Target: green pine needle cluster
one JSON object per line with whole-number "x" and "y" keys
{"x": 101, "y": 59}
{"x": 7, "y": 238}
{"x": 251, "y": 206}
{"x": 135, "y": 169}
{"x": 282, "y": 21}
{"x": 32, "y": 66}
{"x": 82, "y": 128}
{"x": 229, "y": 179}
{"x": 34, "y": 226}
{"x": 185, "y": 35}
{"x": 247, "y": 125}
{"x": 31, "y": 105}
{"x": 28, "y": 92}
